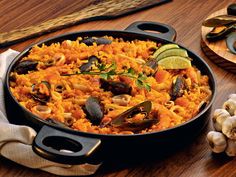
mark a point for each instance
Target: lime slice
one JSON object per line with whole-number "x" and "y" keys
{"x": 172, "y": 52}
{"x": 163, "y": 48}
{"x": 175, "y": 62}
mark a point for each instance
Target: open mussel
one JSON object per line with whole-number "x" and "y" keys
{"x": 41, "y": 92}
{"x": 221, "y": 20}
{"x": 94, "y": 110}
{"x": 90, "y": 40}
{"x": 115, "y": 87}
{"x": 178, "y": 87}
{"x": 24, "y": 66}
{"x": 126, "y": 121}
{"x": 92, "y": 60}
{"x": 220, "y": 32}
{"x": 231, "y": 42}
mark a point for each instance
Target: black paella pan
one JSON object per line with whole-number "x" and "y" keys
{"x": 81, "y": 146}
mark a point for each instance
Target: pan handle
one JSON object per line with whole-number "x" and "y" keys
{"x": 165, "y": 31}
{"x": 62, "y": 147}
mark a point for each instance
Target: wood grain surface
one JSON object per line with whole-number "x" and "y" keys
{"x": 186, "y": 16}
{"x": 217, "y": 51}
{"x": 96, "y": 10}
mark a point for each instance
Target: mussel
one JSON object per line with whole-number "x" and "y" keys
{"x": 231, "y": 9}
{"x": 25, "y": 66}
{"x": 126, "y": 122}
{"x": 92, "y": 60}
{"x": 94, "y": 110}
{"x": 231, "y": 42}
{"x": 90, "y": 40}
{"x": 41, "y": 92}
{"x": 221, "y": 20}
{"x": 178, "y": 87}
{"x": 220, "y": 32}
{"x": 115, "y": 87}
{"x": 152, "y": 63}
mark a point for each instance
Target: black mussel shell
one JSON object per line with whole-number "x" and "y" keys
{"x": 41, "y": 97}
{"x": 94, "y": 110}
{"x": 221, "y": 20}
{"x": 231, "y": 9}
{"x": 178, "y": 87}
{"x": 231, "y": 42}
{"x": 152, "y": 63}
{"x": 115, "y": 87}
{"x": 219, "y": 32}
{"x": 85, "y": 67}
{"x": 101, "y": 40}
{"x": 124, "y": 120}
{"x": 89, "y": 41}
{"x": 94, "y": 59}
{"x": 25, "y": 66}
{"x": 88, "y": 66}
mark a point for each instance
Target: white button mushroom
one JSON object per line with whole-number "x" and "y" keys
{"x": 229, "y": 127}
{"x": 217, "y": 141}
{"x": 231, "y": 147}
{"x": 230, "y": 106}
{"x": 219, "y": 117}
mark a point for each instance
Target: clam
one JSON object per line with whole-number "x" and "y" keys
{"x": 25, "y": 66}
{"x": 220, "y": 32}
{"x": 115, "y": 87}
{"x": 94, "y": 110}
{"x": 121, "y": 100}
{"x": 178, "y": 87}
{"x": 231, "y": 42}
{"x": 90, "y": 40}
{"x": 126, "y": 121}
{"x": 41, "y": 92}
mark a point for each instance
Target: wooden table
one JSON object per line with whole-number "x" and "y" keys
{"x": 186, "y": 17}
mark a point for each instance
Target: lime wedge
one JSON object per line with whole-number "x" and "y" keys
{"x": 172, "y": 52}
{"x": 174, "y": 62}
{"x": 163, "y": 48}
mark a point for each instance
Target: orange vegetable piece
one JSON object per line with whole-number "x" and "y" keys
{"x": 161, "y": 76}
{"x": 182, "y": 102}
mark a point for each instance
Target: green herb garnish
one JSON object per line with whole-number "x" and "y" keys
{"x": 106, "y": 72}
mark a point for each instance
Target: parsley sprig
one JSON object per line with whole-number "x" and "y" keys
{"x": 108, "y": 71}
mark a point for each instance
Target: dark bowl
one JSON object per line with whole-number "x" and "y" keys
{"x": 89, "y": 147}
